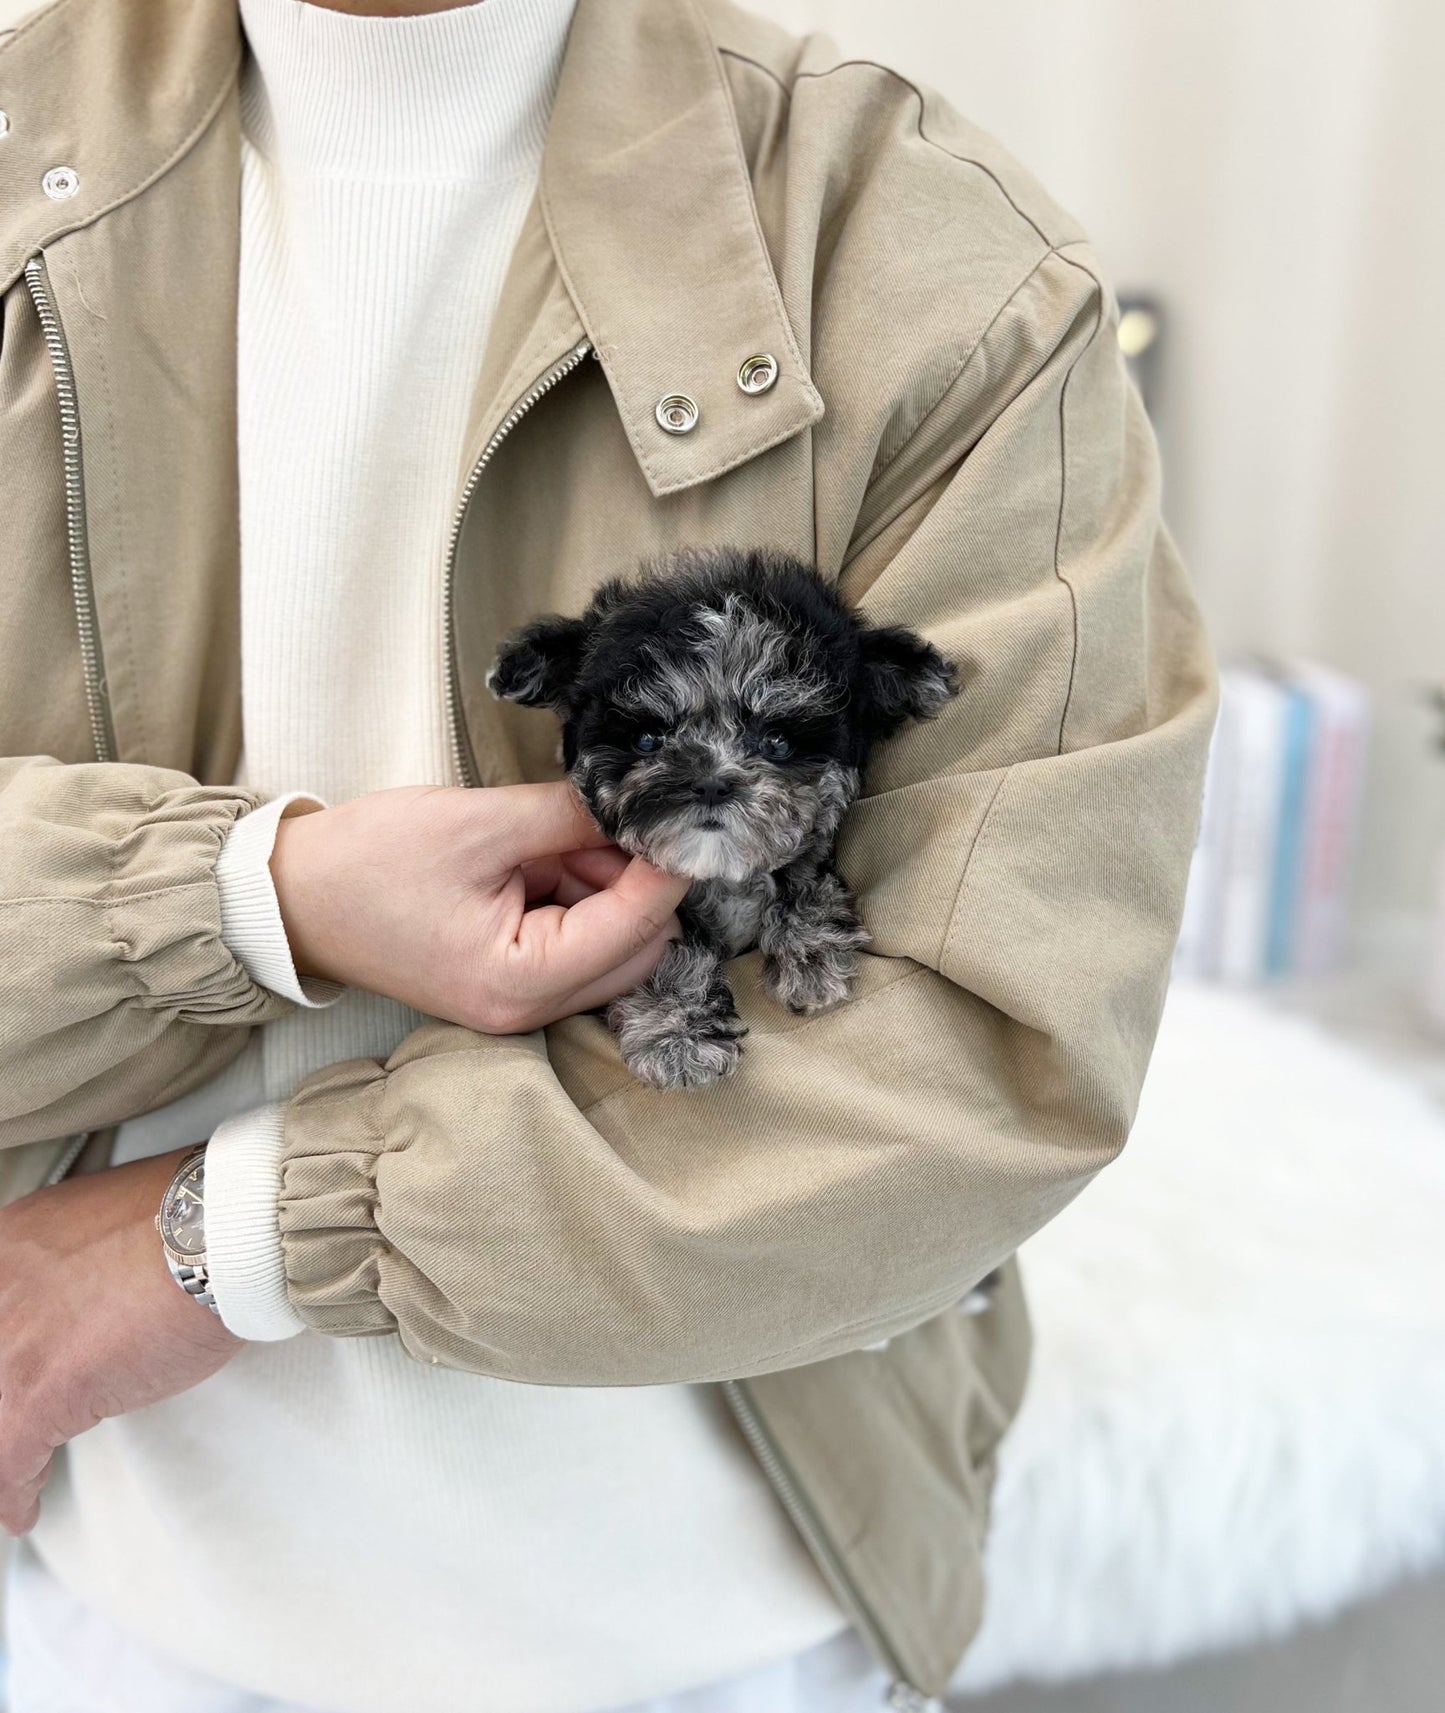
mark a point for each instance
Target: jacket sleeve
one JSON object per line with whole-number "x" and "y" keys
{"x": 522, "y": 1208}
{"x": 118, "y": 992}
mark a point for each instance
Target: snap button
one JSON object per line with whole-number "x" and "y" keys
{"x": 677, "y": 414}
{"x": 60, "y": 183}
{"x": 4, "y": 123}
{"x": 758, "y": 373}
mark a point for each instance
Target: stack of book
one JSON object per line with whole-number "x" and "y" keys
{"x": 1269, "y": 890}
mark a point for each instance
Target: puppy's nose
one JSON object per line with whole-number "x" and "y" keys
{"x": 711, "y": 792}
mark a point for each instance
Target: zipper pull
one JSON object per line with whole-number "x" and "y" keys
{"x": 904, "y": 1698}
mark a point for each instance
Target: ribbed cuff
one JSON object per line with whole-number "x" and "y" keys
{"x": 243, "y": 1238}
{"x": 251, "y": 925}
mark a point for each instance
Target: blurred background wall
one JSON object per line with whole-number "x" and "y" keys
{"x": 1273, "y": 173}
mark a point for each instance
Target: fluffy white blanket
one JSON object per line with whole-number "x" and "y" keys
{"x": 1236, "y": 1420}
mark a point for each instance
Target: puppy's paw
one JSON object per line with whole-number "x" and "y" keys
{"x": 681, "y": 1060}
{"x": 679, "y": 1029}
{"x": 811, "y": 980}
{"x": 810, "y": 940}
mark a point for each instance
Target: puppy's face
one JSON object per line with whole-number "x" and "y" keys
{"x": 719, "y": 749}
{"x": 716, "y": 718}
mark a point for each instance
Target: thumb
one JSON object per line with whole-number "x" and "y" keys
{"x": 604, "y": 930}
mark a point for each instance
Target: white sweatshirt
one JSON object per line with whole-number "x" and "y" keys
{"x": 326, "y": 1520}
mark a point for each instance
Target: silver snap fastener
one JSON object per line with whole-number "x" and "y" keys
{"x": 758, "y": 373}
{"x": 60, "y": 183}
{"x": 677, "y": 414}
{"x": 4, "y": 123}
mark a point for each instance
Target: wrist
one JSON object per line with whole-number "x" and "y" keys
{"x": 298, "y": 875}
{"x": 252, "y": 927}
{"x": 142, "y": 1186}
{"x": 181, "y": 1226}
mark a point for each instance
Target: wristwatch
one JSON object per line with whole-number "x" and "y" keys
{"x": 182, "y": 1225}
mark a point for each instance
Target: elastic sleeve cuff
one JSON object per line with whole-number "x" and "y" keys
{"x": 251, "y": 925}
{"x": 243, "y": 1237}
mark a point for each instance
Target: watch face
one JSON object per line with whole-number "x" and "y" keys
{"x": 183, "y": 1217}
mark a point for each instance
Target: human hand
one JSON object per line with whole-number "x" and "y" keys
{"x": 91, "y": 1323}
{"x": 435, "y": 896}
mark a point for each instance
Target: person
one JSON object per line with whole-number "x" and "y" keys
{"x": 338, "y": 340}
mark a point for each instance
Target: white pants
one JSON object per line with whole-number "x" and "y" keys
{"x": 66, "y": 1658}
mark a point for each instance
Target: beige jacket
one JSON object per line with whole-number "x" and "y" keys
{"x": 951, "y": 436}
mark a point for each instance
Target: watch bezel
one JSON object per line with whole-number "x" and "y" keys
{"x": 186, "y": 1257}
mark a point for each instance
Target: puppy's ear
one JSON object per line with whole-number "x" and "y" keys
{"x": 537, "y": 665}
{"x": 904, "y": 678}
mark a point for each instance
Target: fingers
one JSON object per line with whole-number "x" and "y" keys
{"x": 611, "y": 927}
{"x": 19, "y": 1520}
{"x": 625, "y": 977}
{"x": 573, "y": 876}
{"x": 24, "y": 1467}
{"x": 531, "y": 821}
{"x": 586, "y": 872}
{"x": 595, "y": 868}
{"x": 540, "y": 877}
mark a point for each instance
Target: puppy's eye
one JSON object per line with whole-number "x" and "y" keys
{"x": 648, "y": 743}
{"x": 774, "y": 747}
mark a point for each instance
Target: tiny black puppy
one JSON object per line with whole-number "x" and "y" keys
{"x": 716, "y": 714}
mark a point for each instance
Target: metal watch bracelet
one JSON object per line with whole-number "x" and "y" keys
{"x": 194, "y": 1280}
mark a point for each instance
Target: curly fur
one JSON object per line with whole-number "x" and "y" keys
{"x": 680, "y": 1028}
{"x": 717, "y": 712}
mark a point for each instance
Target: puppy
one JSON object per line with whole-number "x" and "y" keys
{"x": 716, "y": 715}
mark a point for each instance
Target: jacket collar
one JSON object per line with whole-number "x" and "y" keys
{"x": 116, "y": 92}
{"x": 645, "y": 193}
{"x": 651, "y": 215}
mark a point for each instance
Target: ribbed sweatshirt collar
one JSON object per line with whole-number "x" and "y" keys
{"x": 461, "y": 94}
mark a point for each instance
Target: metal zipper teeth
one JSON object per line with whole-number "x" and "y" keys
{"x": 902, "y": 1695}
{"x": 82, "y": 587}
{"x": 462, "y": 759}
{"x": 74, "y": 1148}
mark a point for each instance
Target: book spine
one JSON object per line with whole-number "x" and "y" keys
{"x": 1253, "y": 829}
{"x": 1325, "y": 910}
{"x": 1290, "y": 837}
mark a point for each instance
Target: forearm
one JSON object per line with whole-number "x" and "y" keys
{"x": 251, "y": 922}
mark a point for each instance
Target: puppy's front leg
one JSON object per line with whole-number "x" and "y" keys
{"x": 680, "y": 1029}
{"x": 810, "y": 938}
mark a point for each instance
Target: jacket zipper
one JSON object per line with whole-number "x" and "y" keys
{"x": 82, "y": 587}
{"x": 903, "y": 1696}
{"x": 463, "y": 761}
